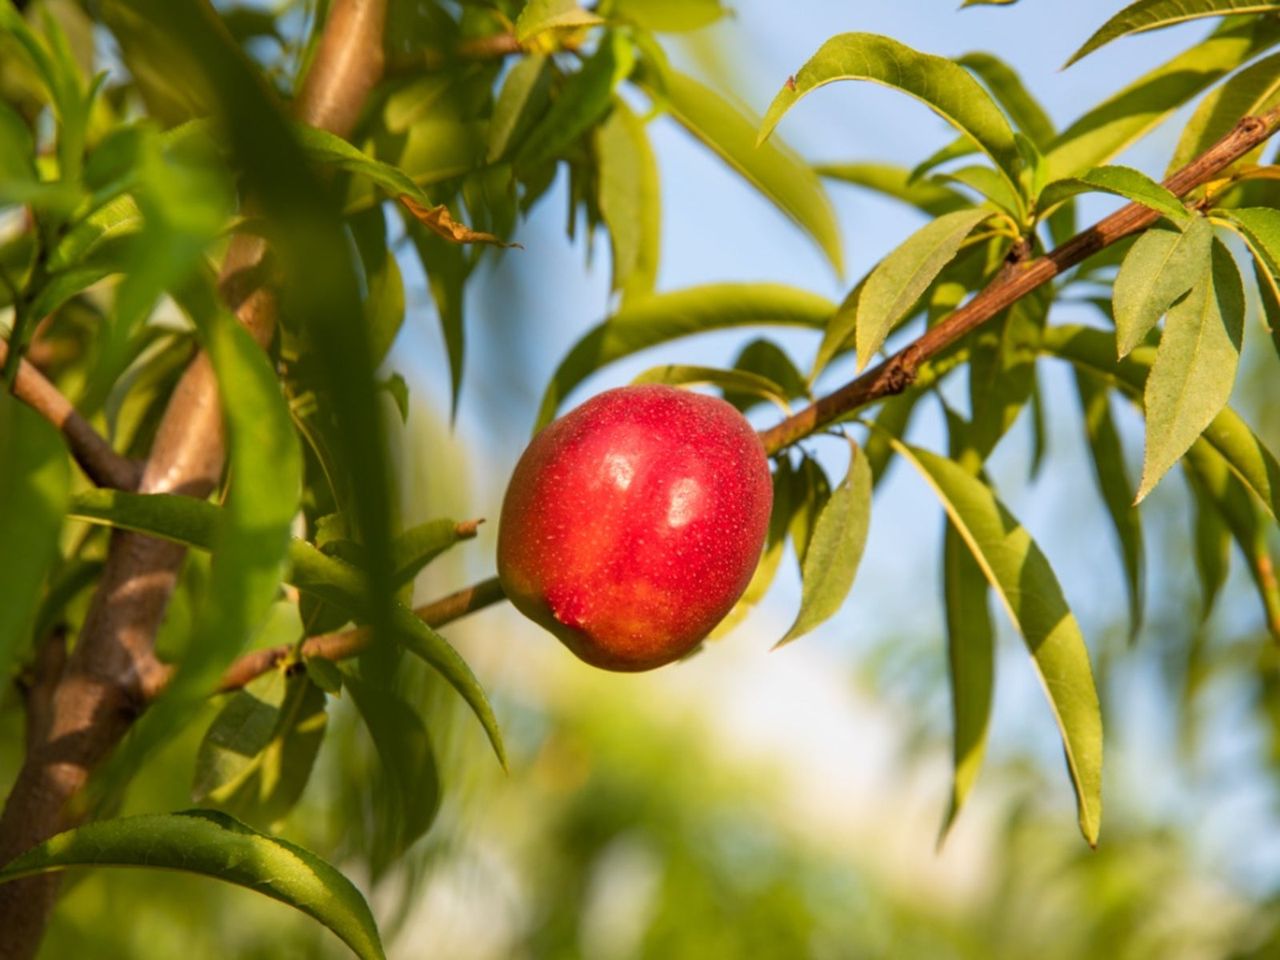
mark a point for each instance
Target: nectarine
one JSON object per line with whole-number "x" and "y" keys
{"x": 632, "y": 524}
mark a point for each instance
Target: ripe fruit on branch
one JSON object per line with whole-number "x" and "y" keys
{"x": 632, "y": 524}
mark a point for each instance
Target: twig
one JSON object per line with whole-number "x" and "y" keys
{"x": 104, "y": 684}
{"x": 97, "y": 458}
{"x": 475, "y": 49}
{"x": 897, "y": 373}
{"x": 349, "y": 643}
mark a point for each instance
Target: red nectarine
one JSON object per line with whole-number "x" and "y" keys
{"x": 632, "y": 524}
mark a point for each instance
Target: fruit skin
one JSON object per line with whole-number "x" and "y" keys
{"x": 633, "y": 524}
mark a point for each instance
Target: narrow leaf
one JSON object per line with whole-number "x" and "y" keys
{"x": 971, "y": 662}
{"x": 895, "y": 284}
{"x": 1029, "y": 591}
{"x": 942, "y": 85}
{"x": 1121, "y": 181}
{"x": 1161, "y": 266}
{"x": 935, "y": 199}
{"x": 1219, "y": 486}
{"x": 1104, "y": 131}
{"x": 539, "y": 16}
{"x": 1250, "y": 92}
{"x": 630, "y": 200}
{"x": 1153, "y": 14}
{"x": 256, "y": 757}
{"x": 522, "y": 96}
{"x": 738, "y": 381}
{"x": 583, "y": 100}
{"x": 1213, "y": 548}
{"x": 831, "y": 560}
{"x": 215, "y": 845}
{"x": 667, "y": 316}
{"x": 1228, "y": 434}
{"x": 1007, "y": 87}
{"x": 34, "y": 485}
{"x": 777, "y": 172}
{"x": 422, "y": 641}
{"x": 1195, "y": 367}
{"x": 409, "y": 790}
{"x": 1107, "y": 455}
{"x": 418, "y": 546}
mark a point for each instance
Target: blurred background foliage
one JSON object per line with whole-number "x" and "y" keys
{"x": 740, "y": 804}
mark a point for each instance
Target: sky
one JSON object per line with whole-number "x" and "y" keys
{"x": 812, "y": 699}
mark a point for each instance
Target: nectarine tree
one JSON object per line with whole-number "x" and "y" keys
{"x": 205, "y": 211}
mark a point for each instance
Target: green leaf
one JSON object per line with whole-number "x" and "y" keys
{"x": 774, "y": 170}
{"x": 630, "y": 200}
{"x": 1121, "y": 181}
{"x": 418, "y": 546}
{"x": 34, "y": 484}
{"x": 1008, "y": 89}
{"x": 215, "y": 845}
{"x": 1002, "y": 370}
{"x": 892, "y": 420}
{"x": 835, "y": 549}
{"x": 1230, "y": 436}
{"x": 1161, "y": 266}
{"x": 1128, "y": 114}
{"x": 522, "y": 97}
{"x": 926, "y": 196}
{"x": 256, "y": 757}
{"x": 408, "y": 792}
{"x": 1107, "y": 455}
{"x": 669, "y": 16}
{"x": 810, "y": 491}
{"x": 1260, "y": 228}
{"x": 1219, "y": 486}
{"x": 583, "y": 100}
{"x": 1212, "y": 546}
{"x": 1153, "y": 14}
{"x": 17, "y": 149}
{"x": 774, "y": 545}
{"x": 1029, "y": 591}
{"x": 1250, "y": 92}
{"x": 447, "y": 270}
{"x": 539, "y": 16}
{"x": 971, "y": 663}
{"x": 898, "y": 281}
{"x": 942, "y": 85}
{"x": 1195, "y": 367}
{"x": 1269, "y": 295}
{"x": 989, "y": 184}
{"x": 384, "y": 302}
{"x": 764, "y": 358}
{"x": 326, "y": 675}
{"x": 423, "y": 642}
{"x": 738, "y": 381}
{"x": 666, "y": 316}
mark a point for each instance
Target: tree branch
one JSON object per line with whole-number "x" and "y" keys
{"x": 103, "y": 685}
{"x": 349, "y": 643}
{"x": 898, "y": 372}
{"x": 97, "y": 458}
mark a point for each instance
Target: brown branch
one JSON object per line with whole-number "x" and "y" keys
{"x": 475, "y": 49}
{"x": 898, "y": 372}
{"x": 97, "y": 458}
{"x": 349, "y": 643}
{"x": 103, "y": 686}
